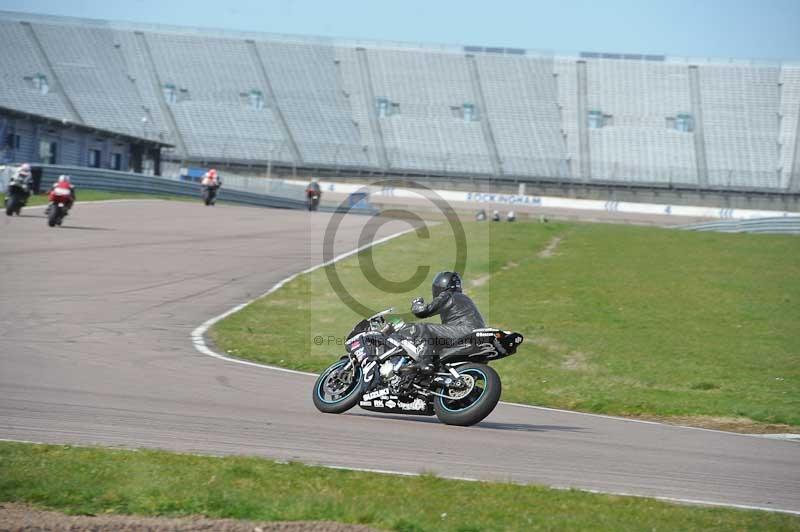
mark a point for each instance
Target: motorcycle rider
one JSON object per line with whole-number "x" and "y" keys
{"x": 23, "y": 178}
{"x": 212, "y": 181}
{"x": 313, "y": 188}
{"x": 459, "y": 317}
{"x": 61, "y": 189}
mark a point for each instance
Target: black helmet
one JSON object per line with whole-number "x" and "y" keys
{"x": 446, "y": 281}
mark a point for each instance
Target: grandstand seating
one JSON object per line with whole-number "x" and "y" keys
{"x": 23, "y": 62}
{"x": 251, "y": 98}
{"x": 522, "y": 106}
{"x": 423, "y": 132}
{"x": 740, "y": 109}
{"x": 93, "y": 75}
{"x": 790, "y": 116}
{"x": 636, "y": 145}
{"x": 304, "y": 79}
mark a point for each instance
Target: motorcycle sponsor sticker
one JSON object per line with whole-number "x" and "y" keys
{"x": 418, "y": 404}
{"x": 376, "y": 394}
{"x": 391, "y": 404}
{"x": 378, "y": 403}
{"x": 365, "y": 403}
{"x": 368, "y": 373}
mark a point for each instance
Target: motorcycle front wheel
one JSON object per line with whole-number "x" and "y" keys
{"x": 53, "y": 218}
{"x": 338, "y": 389}
{"x": 472, "y": 402}
{"x": 12, "y": 205}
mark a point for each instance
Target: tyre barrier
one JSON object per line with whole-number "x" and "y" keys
{"x": 778, "y": 225}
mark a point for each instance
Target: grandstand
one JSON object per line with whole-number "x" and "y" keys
{"x": 377, "y": 108}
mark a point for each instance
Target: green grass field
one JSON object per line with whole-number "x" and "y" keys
{"x": 99, "y": 195}
{"x": 95, "y": 481}
{"x": 696, "y": 327}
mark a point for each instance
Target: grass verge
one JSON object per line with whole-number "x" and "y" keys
{"x": 96, "y": 481}
{"x": 619, "y": 320}
{"x": 100, "y": 195}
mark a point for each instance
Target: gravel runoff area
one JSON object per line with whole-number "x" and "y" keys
{"x": 19, "y": 517}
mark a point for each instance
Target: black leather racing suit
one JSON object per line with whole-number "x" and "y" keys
{"x": 459, "y": 317}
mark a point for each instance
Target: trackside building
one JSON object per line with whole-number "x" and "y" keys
{"x": 33, "y": 138}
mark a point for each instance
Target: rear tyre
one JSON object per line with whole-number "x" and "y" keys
{"x": 338, "y": 391}
{"x": 472, "y": 405}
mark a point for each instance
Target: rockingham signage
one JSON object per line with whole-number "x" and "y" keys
{"x": 558, "y": 203}
{"x": 511, "y": 199}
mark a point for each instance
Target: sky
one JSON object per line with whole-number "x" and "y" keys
{"x": 765, "y": 29}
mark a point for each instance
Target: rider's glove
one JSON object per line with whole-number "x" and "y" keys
{"x": 417, "y": 304}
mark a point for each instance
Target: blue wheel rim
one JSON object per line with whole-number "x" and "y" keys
{"x": 475, "y": 400}
{"x": 321, "y": 381}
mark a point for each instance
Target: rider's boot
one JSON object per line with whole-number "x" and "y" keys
{"x": 424, "y": 365}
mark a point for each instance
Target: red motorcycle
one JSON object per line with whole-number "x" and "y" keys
{"x": 60, "y": 203}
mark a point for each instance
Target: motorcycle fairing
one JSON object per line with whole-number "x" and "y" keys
{"x": 393, "y": 404}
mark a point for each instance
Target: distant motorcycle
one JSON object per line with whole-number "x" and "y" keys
{"x": 60, "y": 202}
{"x": 463, "y": 391}
{"x": 56, "y": 214}
{"x": 16, "y": 198}
{"x": 210, "y": 194}
{"x": 312, "y": 201}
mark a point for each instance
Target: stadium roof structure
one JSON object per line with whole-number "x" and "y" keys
{"x": 385, "y": 44}
{"x": 403, "y": 109}
{"x": 64, "y": 123}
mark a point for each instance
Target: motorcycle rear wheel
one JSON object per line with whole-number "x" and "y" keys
{"x": 476, "y": 404}
{"x": 335, "y": 392}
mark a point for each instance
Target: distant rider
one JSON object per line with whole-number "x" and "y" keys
{"x": 22, "y": 178}
{"x": 459, "y": 317}
{"x": 313, "y": 188}
{"x": 212, "y": 181}
{"x": 62, "y": 191}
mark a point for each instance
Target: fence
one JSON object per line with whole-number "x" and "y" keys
{"x": 113, "y": 181}
{"x": 782, "y": 225}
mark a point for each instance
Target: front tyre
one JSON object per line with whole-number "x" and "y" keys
{"x": 472, "y": 403}
{"x": 338, "y": 389}
{"x": 13, "y": 205}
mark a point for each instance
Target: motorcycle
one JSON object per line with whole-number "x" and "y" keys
{"x": 463, "y": 390}
{"x": 16, "y": 198}
{"x": 56, "y": 213}
{"x": 60, "y": 201}
{"x": 210, "y": 194}
{"x": 312, "y": 201}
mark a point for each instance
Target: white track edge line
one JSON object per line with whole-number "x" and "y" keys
{"x": 678, "y": 500}
{"x": 198, "y": 334}
{"x": 94, "y": 202}
{"x": 198, "y": 340}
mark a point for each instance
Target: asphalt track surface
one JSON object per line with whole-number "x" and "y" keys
{"x": 95, "y": 325}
